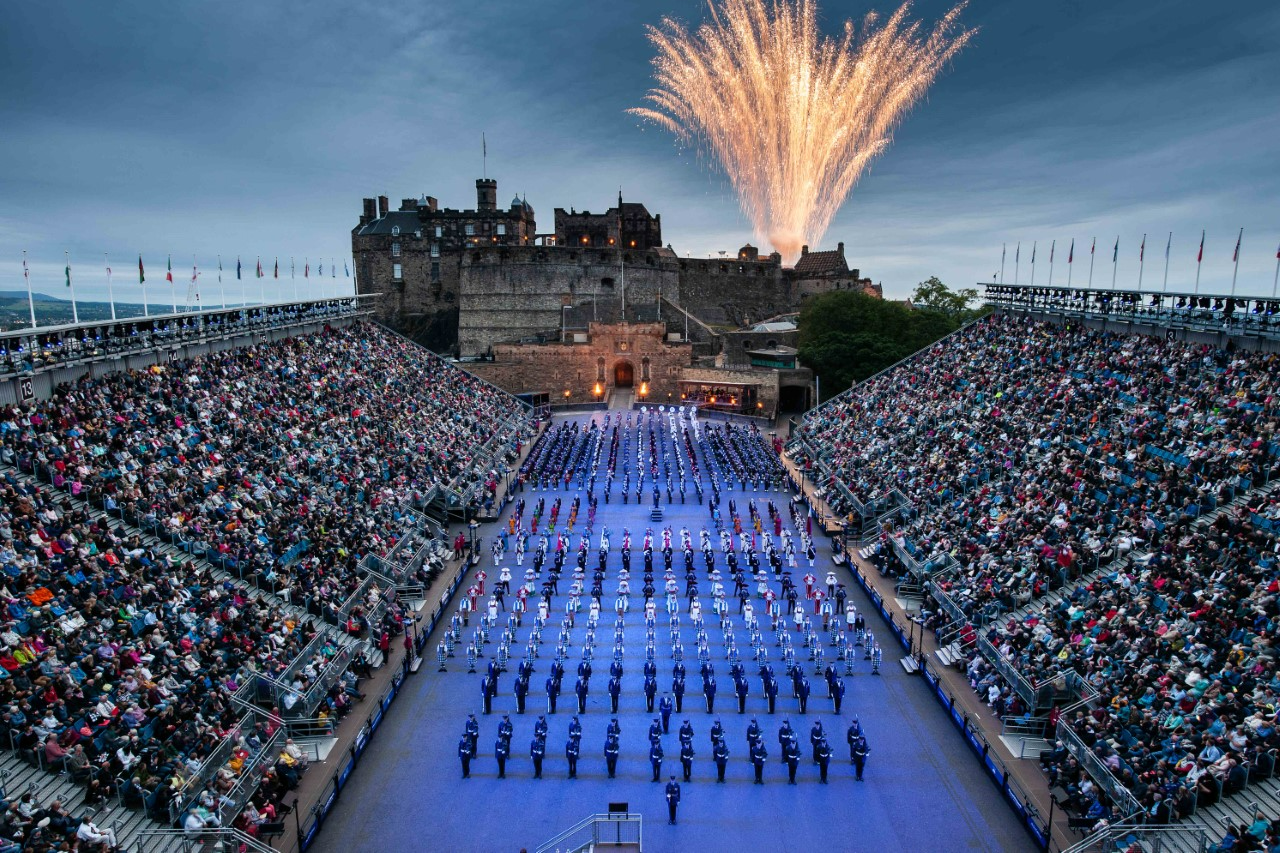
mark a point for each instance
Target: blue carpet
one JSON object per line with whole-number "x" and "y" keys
{"x": 924, "y": 789}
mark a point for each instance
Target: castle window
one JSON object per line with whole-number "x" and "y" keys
{"x": 397, "y": 272}
{"x": 435, "y": 250}
{"x": 435, "y": 271}
{"x": 395, "y": 230}
{"x": 469, "y": 229}
{"x": 439, "y": 231}
{"x": 644, "y": 370}
{"x": 606, "y": 282}
{"x": 395, "y": 250}
{"x": 502, "y": 229}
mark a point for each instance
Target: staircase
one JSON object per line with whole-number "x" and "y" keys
{"x": 614, "y": 831}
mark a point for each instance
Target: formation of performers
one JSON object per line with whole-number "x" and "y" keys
{"x": 663, "y": 449}
{"x": 756, "y": 751}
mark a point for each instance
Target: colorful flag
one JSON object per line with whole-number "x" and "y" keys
{"x": 346, "y": 270}
{"x": 1168, "y": 246}
{"x": 1093, "y": 245}
{"x": 1200, "y": 254}
{"x": 219, "y": 269}
{"x": 1115, "y": 253}
{"x": 237, "y": 267}
{"x": 1052, "y": 246}
{"x": 1235, "y": 256}
{"x": 168, "y": 276}
{"x": 1142, "y": 250}
{"x": 1071, "y": 253}
{"x": 259, "y": 267}
{"x": 306, "y": 270}
{"x": 142, "y": 273}
{"x": 277, "y": 270}
{"x": 68, "y": 273}
{"x": 26, "y": 273}
{"x": 320, "y": 268}
{"x": 1033, "y": 253}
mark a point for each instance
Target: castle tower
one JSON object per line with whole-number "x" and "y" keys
{"x": 486, "y": 194}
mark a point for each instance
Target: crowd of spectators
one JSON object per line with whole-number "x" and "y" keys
{"x": 284, "y": 463}
{"x": 1035, "y": 454}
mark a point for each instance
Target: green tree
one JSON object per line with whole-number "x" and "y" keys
{"x": 846, "y": 337}
{"x": 931, "y": 294}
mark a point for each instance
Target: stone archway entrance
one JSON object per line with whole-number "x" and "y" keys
{"x": 624, "y": 374}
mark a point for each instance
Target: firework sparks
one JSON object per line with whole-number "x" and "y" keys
{"x": 793, "y": 117}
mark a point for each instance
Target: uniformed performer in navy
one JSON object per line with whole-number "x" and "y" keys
{"x": 673, "y": 799}
{"x": 537, "y": 750}
{"x": 464, "y": 754}
{"x": 611, "y": 753}
{"x": 655, "y": 758}
{"x": 721, "y": 754}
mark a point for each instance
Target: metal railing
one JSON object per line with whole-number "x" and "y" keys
{"x": 613, "y": 828}
{"x": 1124, "y": 801}
{"x": 1176, "y": 838}
{"x": 203, "y": 841}
{"x": 1251, "y": 316}
{"x": 28, "y": 351}
{"x": 196, "y": 782}
{"x": 250, "y": 777}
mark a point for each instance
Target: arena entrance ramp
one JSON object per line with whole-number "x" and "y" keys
{"x": 616, "y": 832}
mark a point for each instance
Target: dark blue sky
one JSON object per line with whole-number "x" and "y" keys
{"x": 255, "y": 129}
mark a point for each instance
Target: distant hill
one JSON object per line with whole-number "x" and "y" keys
{"x": 53, "y": 311}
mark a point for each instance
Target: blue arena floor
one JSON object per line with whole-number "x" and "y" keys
{"x": 924, "y": 790}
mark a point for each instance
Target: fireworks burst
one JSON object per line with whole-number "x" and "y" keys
{"x": 793, "y": 117}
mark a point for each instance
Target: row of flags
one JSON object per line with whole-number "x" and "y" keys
{"x": 1115, "y": 258}
{"x": 306, "y": 269}
{"x": 192, "y": 291}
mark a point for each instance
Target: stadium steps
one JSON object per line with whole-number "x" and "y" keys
{"x": 910, "y": 665}
{"x": 951, "y": 654}
{"x": 1050, "y": 600}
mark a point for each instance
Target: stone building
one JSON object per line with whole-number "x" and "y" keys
{"x": 462, "y": 281}
{"x": 634, "y": 357}
{"x": 629, "y": 225}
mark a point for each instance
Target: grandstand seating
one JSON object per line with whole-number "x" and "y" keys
{"x": 1095, "y": 514}
{"x": 190, "y": 553}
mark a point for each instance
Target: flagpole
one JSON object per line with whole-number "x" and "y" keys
{"x": 222, "y": 288}
{"x": 1115, "y": 263}
{"x": 1004, "y": 248}
{"x": 1276, "y": 281}
{"x": 75, "y": 313}
{"x": 1017, "y": 259}
{"x": 1053, "y": 246}
{"x": 293, "y": 274}
{"x": 111, "y": 297}
{"x": 1033, "y": 263}
{"x": 31, "y": 302}
{"x": 1142, "y": 261}
{"x": 173, "y": 286}
{"x": 262, "y": 285}
{"x": 1167, "y": 246}
{"x": 244, "y": 285}
{"x": 1092, "y": 251}
{"x": 1071, "y": 256}
{"x": 142, "y": 280}
{"x": 1236, "y": 272}
{"x": 1199, "y": 261}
